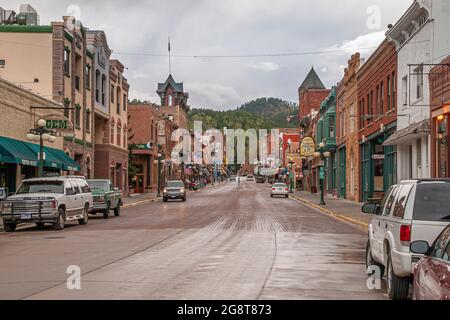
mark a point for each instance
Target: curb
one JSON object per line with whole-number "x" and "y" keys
{"x": 140, "y": 202}
{"x": 355, "y": 223}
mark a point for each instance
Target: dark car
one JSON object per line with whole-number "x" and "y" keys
{"x": 432, "y": 274}
{"x": 174, "y": 190}
{"x": 260, "y": 179}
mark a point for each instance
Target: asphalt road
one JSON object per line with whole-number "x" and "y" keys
{"x": 223, "y": 243}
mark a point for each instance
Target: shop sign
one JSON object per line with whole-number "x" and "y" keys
{"x": 307, "y": 147}
{"x": 58, "y": 123}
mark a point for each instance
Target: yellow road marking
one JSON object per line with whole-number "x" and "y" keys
{"x": 356, "y": 223}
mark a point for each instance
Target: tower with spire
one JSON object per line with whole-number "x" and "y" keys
{"x": 174, "y": 100}
{"x": 311, "y": 93}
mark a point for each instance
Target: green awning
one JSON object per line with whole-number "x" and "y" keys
{"x": 50, "y": 160}
{"x": 26, "y": 153}
{"x": 67, "y": 163}
{"x": 16, "y": 151}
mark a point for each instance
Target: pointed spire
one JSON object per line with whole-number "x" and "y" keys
{"x": 312, "y": 81}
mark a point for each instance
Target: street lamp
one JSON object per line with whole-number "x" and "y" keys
{"x": 41, "y": 134}
{"x": 291, "y": 163}
{"x": 158, "y": 162}
{"x": 322, "y": 154}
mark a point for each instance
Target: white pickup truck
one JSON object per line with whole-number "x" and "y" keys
{"x": 54, "y": 200}
{"x": 411, "y": 210}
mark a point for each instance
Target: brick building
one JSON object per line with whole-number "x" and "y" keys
{"x": 143, "y": 119}
{"x": 439, "y": 79}
{"x": 111, "y": 147}
{"x": 311, "y": 93}
{"x": 53, "y": 61}
{"x": 377, "y": 107}
{"x": 18, "y": 157}
{"x": 174, "y": 101}
{"x": 347, "y": 131}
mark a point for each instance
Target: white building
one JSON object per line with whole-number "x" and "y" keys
{"x": 422, "y": 38}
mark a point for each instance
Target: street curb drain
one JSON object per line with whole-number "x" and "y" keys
{"x": 355, "y": 223}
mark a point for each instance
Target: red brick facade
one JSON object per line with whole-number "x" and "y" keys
{"x": 440, "y": 119}
{"x": 372, "y": 76}
{"x": 311, "y": 99}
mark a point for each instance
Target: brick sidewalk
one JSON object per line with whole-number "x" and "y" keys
{"x": 341, "y": 209}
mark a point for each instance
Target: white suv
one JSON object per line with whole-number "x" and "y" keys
{"x": 412, "y": 210}
{"x": 54, "y": 200}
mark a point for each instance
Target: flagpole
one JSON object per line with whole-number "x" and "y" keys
{"x": 170, "y": 66}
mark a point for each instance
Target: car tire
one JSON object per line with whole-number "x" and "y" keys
{"x": 40, "y": 225}
{"x": 371, "y": 262}
{"x": 106, "y": 212}
{"x": 83, "y": 221}
{"x": 271, "y": 195}
{"x": 287, "y": 196}
{"x": 117, "y": 210}
{"x": 9, "y": 227}
{"x": 397, "y": 287}
{"x": 60, "y": 220}
{"x": 184, "y": 199}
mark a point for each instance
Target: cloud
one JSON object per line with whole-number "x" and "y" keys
{"x": 364, "y": 44}
{"x": 213, "y": 95}
{"x": 264, "y": 66}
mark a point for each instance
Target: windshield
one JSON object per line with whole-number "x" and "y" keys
{"x": 432, "y": 202}
{"x": 41, "y": 187}
{"x": 175, "y": 184}
{"x": 280, "y": 185}
{"x": 99, "y": 185}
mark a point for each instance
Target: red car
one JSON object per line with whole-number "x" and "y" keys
{"x": 432, "y": 274}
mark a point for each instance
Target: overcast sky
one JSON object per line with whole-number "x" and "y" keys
{"x": 231, "y": 27}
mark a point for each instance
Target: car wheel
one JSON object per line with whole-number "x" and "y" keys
{"x": 117, "y": 210}
{"x": 106, "y": 212}
{"x": 85, "y": 218}
{"x": 371, "y": 262}
{"x": 9, "y": 227}
{"x": 287, "y": 196}
{"x": 397, "y": 287}
{"x": 60, "y": 220}
{"x": 40, "y": 225}
{"x": 271, "y": 195}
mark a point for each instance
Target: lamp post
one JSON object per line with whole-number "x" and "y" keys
{"x": 322, "y": 154}
{"x": 158, "y": 162}
{"x": 291, "y": 175}
{"x": 41, "y": 134}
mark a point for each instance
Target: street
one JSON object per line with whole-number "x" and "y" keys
{"x": 225, "y": 242}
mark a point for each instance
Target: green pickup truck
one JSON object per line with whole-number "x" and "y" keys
{"x": 106, "y": 197}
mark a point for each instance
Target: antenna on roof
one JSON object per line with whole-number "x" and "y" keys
{"x": 170, "y": 66}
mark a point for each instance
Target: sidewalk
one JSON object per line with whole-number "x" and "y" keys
{"x": 340, "y": 209}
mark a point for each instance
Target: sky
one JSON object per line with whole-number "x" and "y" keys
{"x": 324, "y": 32}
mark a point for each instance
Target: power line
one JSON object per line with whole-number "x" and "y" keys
{"x": 288, "y": 54}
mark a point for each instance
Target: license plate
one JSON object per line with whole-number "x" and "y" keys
{"x": 173, "y": 196}
{"x": 25, "y": 216}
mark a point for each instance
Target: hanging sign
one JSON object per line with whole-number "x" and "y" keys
{"x": 308, "y": 147}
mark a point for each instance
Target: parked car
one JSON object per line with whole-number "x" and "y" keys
{"x": 174, "y": 190}
{"x": 432, "y": 275}
{"x": 192, "y": 185}
{"x": 279, "y": 189}
{"x": 410, "y": 211}
{"x": 250, "y": 178}
{"x": 106, "y": 197}
{"x": 54, "y": 200}
{"x": 260, "y": 179}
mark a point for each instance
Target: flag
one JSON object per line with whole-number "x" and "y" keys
{"x": 169, "y": 45}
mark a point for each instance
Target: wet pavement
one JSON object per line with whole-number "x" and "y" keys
{"x": 225, "y": 242}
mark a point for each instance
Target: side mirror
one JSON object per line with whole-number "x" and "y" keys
{"x": 419, "y": 247}
{"x": 370, "y": 208}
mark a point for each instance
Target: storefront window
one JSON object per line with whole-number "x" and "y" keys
{"x": 378, "y": 158}
{"x": 442, "y": 147}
